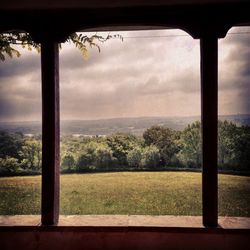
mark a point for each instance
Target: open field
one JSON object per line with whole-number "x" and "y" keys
{"x": 152, "y": 193}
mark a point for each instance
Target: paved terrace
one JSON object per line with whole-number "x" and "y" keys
{"x": 125, "y": 221}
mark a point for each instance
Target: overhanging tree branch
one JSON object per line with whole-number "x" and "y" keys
{"x": 81, "y": 42}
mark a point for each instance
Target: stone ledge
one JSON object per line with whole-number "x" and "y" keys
{"x": 125, "y": 221}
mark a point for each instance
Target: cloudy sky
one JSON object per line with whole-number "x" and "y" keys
{"x": 149, "y": 73}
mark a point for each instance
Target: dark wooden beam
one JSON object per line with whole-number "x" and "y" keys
{"x": 209, "y": 101}
{"x": 50, "y": 132}
{"x": 191, "y": 18}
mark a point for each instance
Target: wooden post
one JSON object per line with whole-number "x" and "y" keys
{"x": 50, "y": 132}
{"x": 209, "y": 101}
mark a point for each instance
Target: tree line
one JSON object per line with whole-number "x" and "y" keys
{"x": 158, "y": 148}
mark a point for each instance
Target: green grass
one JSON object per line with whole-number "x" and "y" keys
{"x": 152, "y": 193}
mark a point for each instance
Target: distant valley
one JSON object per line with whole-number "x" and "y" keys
{"x": 135, "y": 125}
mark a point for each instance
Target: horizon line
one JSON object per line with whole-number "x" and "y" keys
{"x": 129, "y": 117}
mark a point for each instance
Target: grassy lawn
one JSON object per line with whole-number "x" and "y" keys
{"x": 152, "y": 193}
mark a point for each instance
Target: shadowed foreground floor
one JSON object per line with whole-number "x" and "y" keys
{"x": 123, "y": 232}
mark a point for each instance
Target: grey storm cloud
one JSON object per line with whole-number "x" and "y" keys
{"x": 20, "y": 109}
{"x": 234, "y": 73}
{"x": 16, "y": 67}
{"x": 20, "y": 89}
{"x": 243, "y": 57}
{"x": 137, "y": 77}
{"x": 238, "y": 58}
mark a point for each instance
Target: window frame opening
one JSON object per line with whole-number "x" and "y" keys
{"x": 49, "y": 41}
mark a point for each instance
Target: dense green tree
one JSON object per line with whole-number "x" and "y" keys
{"x": 104, "y": 156}
{"x": 190, "y": 144}
{"x": 150, "y": 157}
{"x": 242, "y": 148}
{"x": 10, "y": 144}
{"x": 31, "y": 153}
{"x": 123, "y": 150}
{"x": 227, "y": 137}
{"x": 134, "y": 157}
{"x": 8, "y": 165}
{"x": 233, "y": 146}
{"x": 68, "y": 162}
{"x": 164, "y": 139}
{"x": 121, "y": 144}
{"x": 86, "y": 158}
{"x": 84, "y": 161}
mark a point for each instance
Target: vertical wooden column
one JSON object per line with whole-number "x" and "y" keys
{"x": 209, "y": 101}
{"x": 50, "y": 132}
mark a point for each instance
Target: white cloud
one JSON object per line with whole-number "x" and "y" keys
{"x": 150, "y": 76}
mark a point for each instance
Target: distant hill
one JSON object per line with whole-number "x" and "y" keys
{"x": 135, "y": 125}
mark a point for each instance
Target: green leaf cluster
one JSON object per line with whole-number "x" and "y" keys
{"x": 9, "y": 42}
